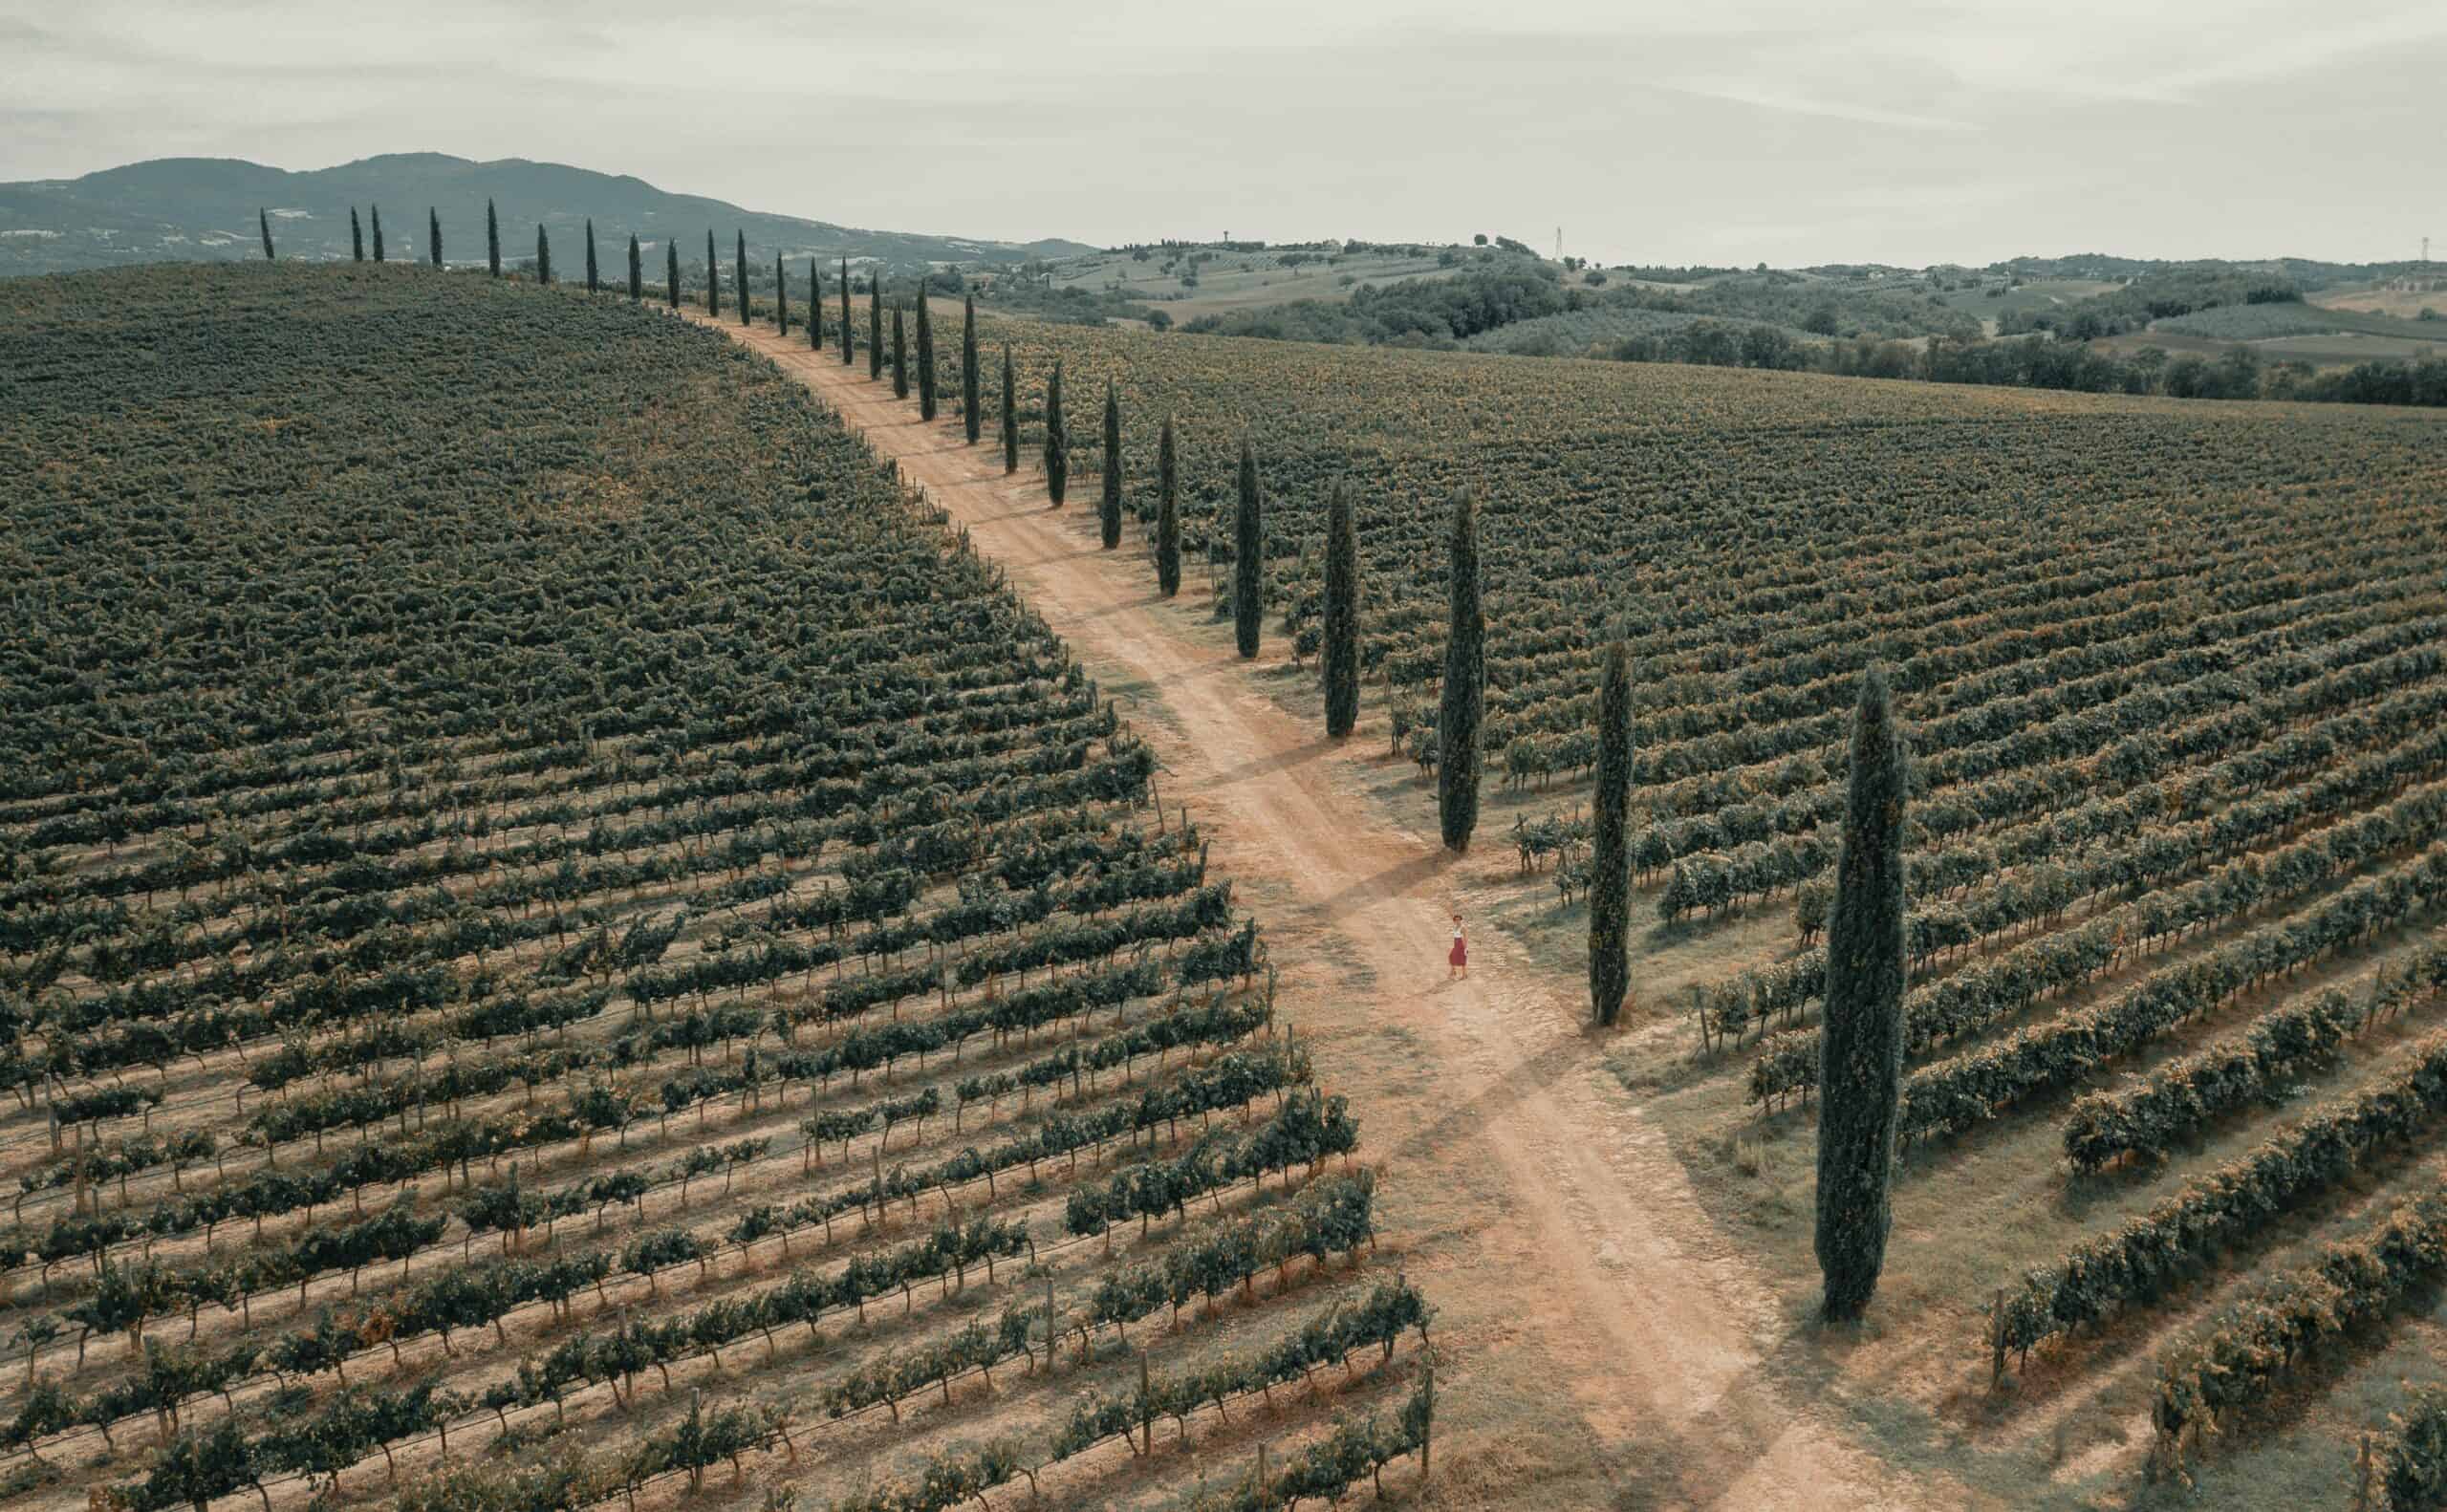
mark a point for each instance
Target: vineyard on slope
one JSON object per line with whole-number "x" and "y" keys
{"x": 557, "y": 930}
{"x": 2175, "y": 681}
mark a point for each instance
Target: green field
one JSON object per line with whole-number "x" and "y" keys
{"x": 2034, "y": 296}
{"x": 1239, "y": 280}
{"x": 2273, "y": 321}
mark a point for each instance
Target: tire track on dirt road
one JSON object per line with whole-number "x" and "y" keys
{"x": 1608, "y": 1346}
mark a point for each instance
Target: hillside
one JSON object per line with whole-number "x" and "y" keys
{"x": 625, "y": 1022}
{"x": 2175, "y": 964}
{"x": 203, "y": 208}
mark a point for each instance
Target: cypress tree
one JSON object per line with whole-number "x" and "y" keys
{"x": 263, "y": 223}
{"x": 671, "y": 270}
{"x": 970, "y": 418}
{"x": 781, "y": 299}
{"x": 1860, "y": 1041}
{"x": 925, "y": 359}
{"x": 746, "y": 306}
{"x": 1010, "y": 418}
{"x": 636, "y": 272}
{"x": 713, "y": 277}
{"x": 1610, "y": 885}
{"x": 849, "y": 337}
{"x": 433, "y": 235}
{"x": 594, "y": 274}
{"x": 814, "y": 308}
{"x": 1057, "y": 440}
{"x": 1248, "y": 559}
{"x": 355, "y": 234}
{"x": 543, "y": 255}
{"x": 1168, "y": 514}
{"x": 875, "y": 326}
{"x": 1341, "y": 649}
{"x": 1109, "y": 513}
{"x": 899, "y": 355}
{"x": 378, "y": 234}
{"x": 1464, "y": 696}
{"x": 493, "y": 239}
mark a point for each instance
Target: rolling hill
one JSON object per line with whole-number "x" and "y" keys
{"x": 178, "y": 209}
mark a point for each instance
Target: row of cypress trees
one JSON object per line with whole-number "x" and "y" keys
{"x": 357, "y": 226}
{"x": 1861, "y": 1037}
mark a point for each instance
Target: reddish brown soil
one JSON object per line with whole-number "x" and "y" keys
{"x": 1605, "y": 1343}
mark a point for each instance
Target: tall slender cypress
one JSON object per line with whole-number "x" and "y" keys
{"x": 636, "y": 272}
{"x": 433, "y": 235}
{"x": 671, "y": 270}
{"x": 1168, "y": 514}
{"x": 713, "y": 277}
{"x": 1248, "y": 559}
{"x": 899, "y": 355}
{"x": 925, "y": 357}
{"x": 493, "y": 239}
{"x": 1464, "y": 697}
{"x": 814, "y": 308}
{"x": 1610, "y": 877}
{"x": 378, "y": 234}
{"x": 970, "y": 418}
{"x": 1057, "y": 440}
{"x": 1010, "y": 418}
{"x": 875, "y": 325}
{"x": 781, "y": 298}
{"x": 263, "y": 223}
{"x": 1108, "y": 506}
{"x": 1860, "y": 1040}
{"x": 1340, "y": 652}
{"x": 594, "y": 273}
{"x": 543, "y": 255}
{"x": 849, "y": 337}
{"x": 746, "y": 306}
{"x": 355, "y": 234}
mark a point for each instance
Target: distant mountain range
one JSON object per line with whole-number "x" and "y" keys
{"x": 203, "y": 209}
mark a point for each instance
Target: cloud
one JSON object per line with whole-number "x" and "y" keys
{"x": 1744, "y": 129}
{"x": 1832, "y": 110}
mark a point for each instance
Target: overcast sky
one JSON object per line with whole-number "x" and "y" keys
{"x": 1730, "y": 131}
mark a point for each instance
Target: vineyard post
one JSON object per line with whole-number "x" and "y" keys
{"x": 1997, "y": 1338}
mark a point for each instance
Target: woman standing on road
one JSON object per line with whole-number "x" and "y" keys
{"x": 1458, "y": 964}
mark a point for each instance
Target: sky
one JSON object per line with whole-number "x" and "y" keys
{"x": 1729, "y": 132}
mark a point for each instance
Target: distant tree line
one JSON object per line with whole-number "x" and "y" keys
{"x": 2154, "y": 296}
{"x": 2039, "y": 362}
{"x": 1415, "y": 311}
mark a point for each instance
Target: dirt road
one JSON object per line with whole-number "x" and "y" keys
{"x": 1609, "y": 1347}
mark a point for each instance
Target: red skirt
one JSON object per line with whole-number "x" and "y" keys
{"x": 1460, "y": 956}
